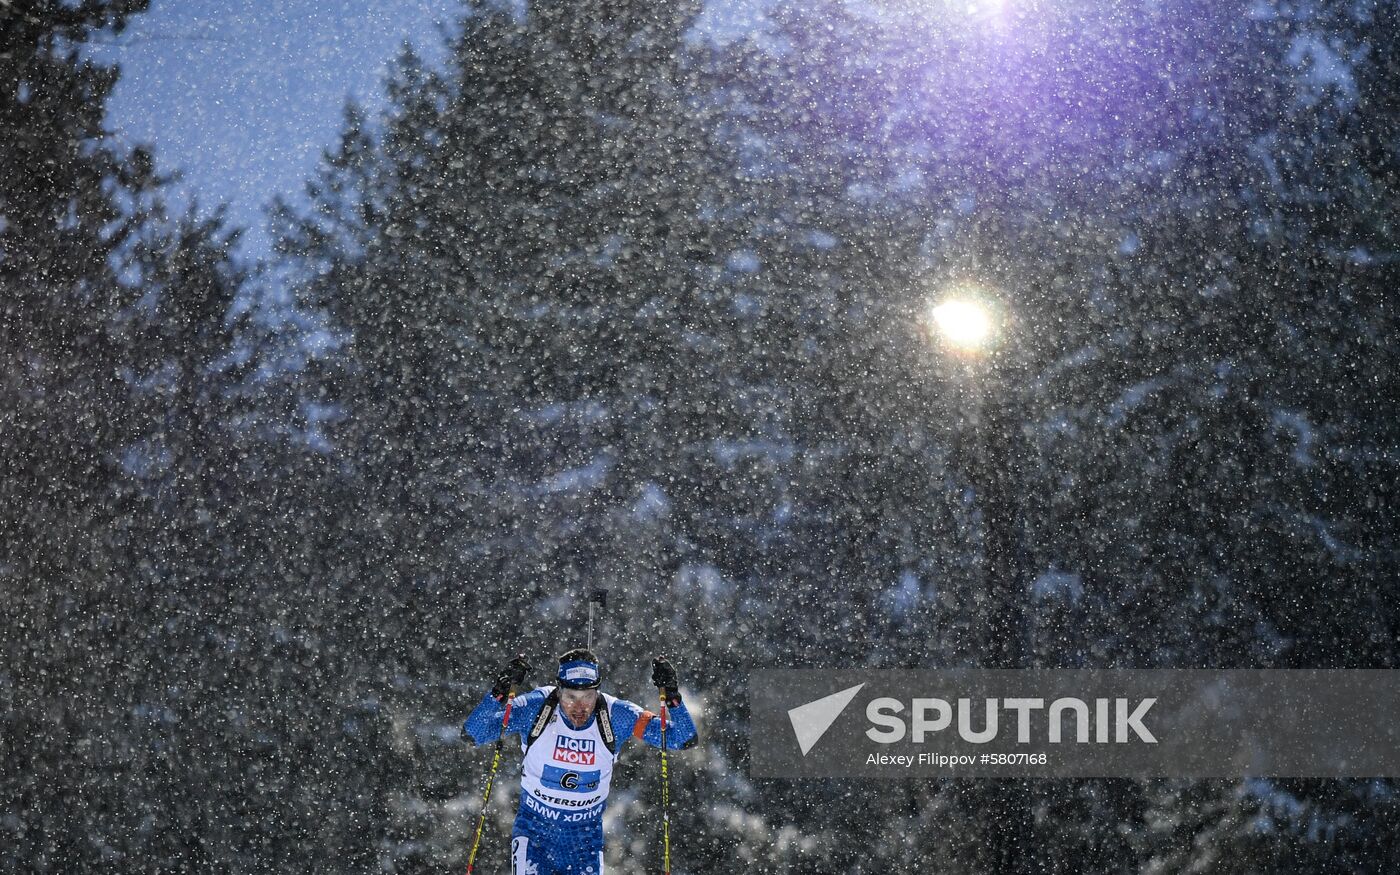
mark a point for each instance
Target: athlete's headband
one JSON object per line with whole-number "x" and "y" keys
{"x": 579, "y": 674}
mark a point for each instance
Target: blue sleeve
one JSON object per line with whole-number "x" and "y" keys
{"x": 484, "y": 724}
{"x": 680, "y": 729}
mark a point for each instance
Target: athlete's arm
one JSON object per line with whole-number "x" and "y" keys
{"x": 646, "y": 726}
{"x": 484, "y": 724}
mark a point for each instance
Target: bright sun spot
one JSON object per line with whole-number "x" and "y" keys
{"x": 965, "y": 324}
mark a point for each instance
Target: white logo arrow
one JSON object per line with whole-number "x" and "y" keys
{"x": 811, "y": 721}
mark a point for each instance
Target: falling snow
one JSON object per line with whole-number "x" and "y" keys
{"x": 348, "y": 347}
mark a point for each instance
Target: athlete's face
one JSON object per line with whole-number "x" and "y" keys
{"x": 577, "y": 704}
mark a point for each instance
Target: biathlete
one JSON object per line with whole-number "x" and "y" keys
{"x": 571, "y": 734}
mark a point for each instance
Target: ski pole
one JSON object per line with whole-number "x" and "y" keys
{"x": 665, "y": 791}
{"x": 491, "y": 781}
{"x": 598, "y": 597}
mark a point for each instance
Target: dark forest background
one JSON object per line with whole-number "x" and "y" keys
{"x": 598, "y": 304}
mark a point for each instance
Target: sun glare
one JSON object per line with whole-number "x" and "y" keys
{"x": 964, "y": 324}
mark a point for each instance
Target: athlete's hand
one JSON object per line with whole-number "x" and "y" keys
{"x": 511, "y": 677}
{"x": 663, "y": 676}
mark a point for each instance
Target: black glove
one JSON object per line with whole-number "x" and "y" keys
{"x": 512, "y": 676}
{"x": 663, "y": 676}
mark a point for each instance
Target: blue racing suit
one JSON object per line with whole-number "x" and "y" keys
{"x": 566, "y": 775}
